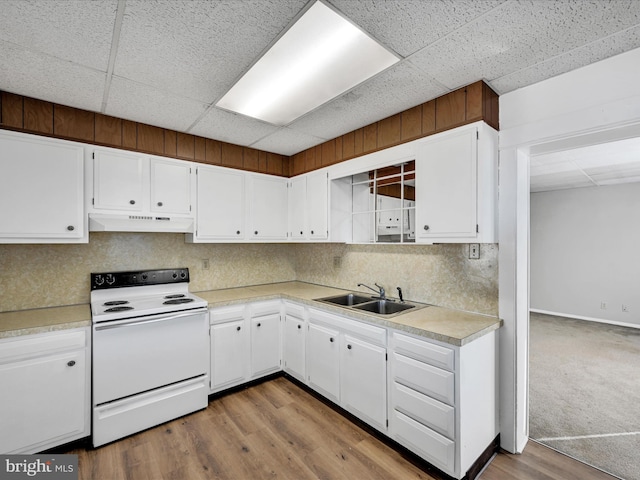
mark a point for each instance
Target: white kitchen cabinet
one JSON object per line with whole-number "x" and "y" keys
{"x": 45, "y": 397}
{"x": 41, "y": 190}
{"x": 363, "y": 380}
{"x": 309, "y": 207}
{"x": 220, "y": 204}
{"x": 266, "y": 351}
{"x": 149, "y": 186}
{"x": 456, "y": 186}
{"x": 346, "y": 362}
{"x": 229, "y": 347}
{"x": 268, "y": 207}
{"x": 442, "y": 399}
{"x": 293, "y": 349}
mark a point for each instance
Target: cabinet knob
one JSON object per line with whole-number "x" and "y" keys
{"x": 349, "y": 347}
{"x": 426, "y": 227}
{"x": 237, "y": 232}
{"x": 71, "y": 228}
{"x": 331, "y": 339}
{"x": 71, "y": 363}
{"x": 256, "y": 232}
{"x": 159, "y": 204}
{"x": 259, "y": 324}
{"x": 238, "y": 328}
{"x": 311, "y": 232}
{"x": 299, "y": 327}
{"x": 301, "y": 233}
{"x": 132, "y": 202}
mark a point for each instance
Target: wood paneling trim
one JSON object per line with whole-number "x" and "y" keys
{"x": 231, "y": 155}
{"x": 451, "y": 110}
{"x": 328, "y": 153}
{"x": 251, "y": 159}
{"x": 186, "y": 146}
{"x": 108, "y": 130}
{"x": 389, "y": 131}
{"x": 213, "y": 152}
{"x": 73, "y": 123}
{"x": 370, "y": 138}
{"x": 429, "y": 118}
{"x": 475, "y": 104}
{"x": 129, "y": 134}
{"x": 275, "y": 165}
{"x": 358, "y": 146}
{"x": 171, "y": 143}
{"x": 200, "y": 149}
{"x": 150, "y": 139}
{"x": 411, "y": 123}
{"x": 38, "y": 116}
{"x": 12, "y": 110}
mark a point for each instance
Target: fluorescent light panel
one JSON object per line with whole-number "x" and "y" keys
{"x": 320, "y": 57}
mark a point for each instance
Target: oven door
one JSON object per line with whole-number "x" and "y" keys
{"x": 140, "y": 354}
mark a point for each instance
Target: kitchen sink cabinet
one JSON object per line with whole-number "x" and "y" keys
{"x": 45, "y": 399}
{"x": 309, "y": 207}
{"x": 293, "y": 349}
{"x": 229, "y": 347}
{"x": 346, "y": 362}
{"x": 456, "y": 186}
{"x": 220, "y": 214}
{"x": 41, "y": 190}
{"x": 442, "y": 399}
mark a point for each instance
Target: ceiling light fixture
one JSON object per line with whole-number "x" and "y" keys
{"x": 320, "y": 57}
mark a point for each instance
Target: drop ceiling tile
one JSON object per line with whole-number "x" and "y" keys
{"x": 142, "y": 103}
{"x": 76, "y": 31}
{"x": 197, "y": 48}
{"x": 36, "y": 75}
{"x": 287, "y": 142}
{"x": 600, "y": 49}
{"x": 231, "y": 127}
{"x": 401, "y": 87}
{"x": 517, "y": 35}
{"x": 400, "y": 24}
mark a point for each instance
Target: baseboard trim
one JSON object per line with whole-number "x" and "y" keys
{"x": 588, "y": 319}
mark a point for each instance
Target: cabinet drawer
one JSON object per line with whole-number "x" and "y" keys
{"x": 424, "y": 351}
{"x": 427, "y": 379}
{"x": 365, "y": 331}
{"x": 40, "y": 345}
{"x": 424, "y": 409}
{"x": 294, "y": 310}
{"x": 430, "y": 445}
{"x": 226, "y": 314}
{"x": 265, "y": 308}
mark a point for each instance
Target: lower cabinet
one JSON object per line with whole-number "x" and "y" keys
{"x": 245, "y": 343}
{"x": 346, "y": 362}
{"x": 45, "y": 390}
{"x": 294, "y": 334}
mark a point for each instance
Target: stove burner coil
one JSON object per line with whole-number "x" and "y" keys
{"x": 177, "y": 301}
{"x": 175, "y": 295}
{"x": 115, "y": 302}
{"x": 118, "y": 309}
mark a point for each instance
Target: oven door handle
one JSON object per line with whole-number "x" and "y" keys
{"x": 136, "y": 322}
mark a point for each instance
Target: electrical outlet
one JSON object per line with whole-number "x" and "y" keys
{"x": 603, "y": 305}
{"x": 474, "y": 251}
{"x": 205, "y": 264}
{"x": 625, "y": 308}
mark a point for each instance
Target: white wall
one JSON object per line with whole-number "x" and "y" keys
{"x": 592, "y": 101}
{"x": 585, "y": 249}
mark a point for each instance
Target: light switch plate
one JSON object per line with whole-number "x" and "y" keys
{"x": 474, "y": 251}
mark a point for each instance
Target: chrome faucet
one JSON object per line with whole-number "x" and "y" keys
{"x": 381, "y": 293}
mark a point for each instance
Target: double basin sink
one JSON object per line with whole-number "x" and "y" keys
{"x": 368, "y": 304}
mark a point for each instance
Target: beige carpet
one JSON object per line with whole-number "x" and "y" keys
{"x": 585, "y": 391}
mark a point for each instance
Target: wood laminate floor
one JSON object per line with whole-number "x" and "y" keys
{"x": 277, "y": 430}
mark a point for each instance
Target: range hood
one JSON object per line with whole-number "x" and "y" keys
{"x": 139, "y": 223}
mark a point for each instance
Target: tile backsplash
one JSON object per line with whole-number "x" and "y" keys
{"x": 34, "y": 276}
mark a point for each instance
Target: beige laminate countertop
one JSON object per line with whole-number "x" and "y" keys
{"x": 42, "y": 320}
{"x": 442, "y": 324}
{"x": 450, "y": 326}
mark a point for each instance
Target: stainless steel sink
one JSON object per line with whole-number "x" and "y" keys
{"x": 384, "y": 307}
{"x": 347, "y": 300}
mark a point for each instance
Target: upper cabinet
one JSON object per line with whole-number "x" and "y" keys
{"x": 456, "y": 194}
{"x": 41, "y": 190}
{"x": 268, "y": 207}
{"x": 133, "y": 192}
{"x": 309, "y": 207}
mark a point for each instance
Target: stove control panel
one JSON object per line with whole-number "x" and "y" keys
{"x": 138, "y": 278}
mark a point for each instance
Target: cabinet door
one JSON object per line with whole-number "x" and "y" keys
{"x": 42, "y": 399}
{"x": 268, "y": 208}
{"x": 363, "y": 380}
{"x": 118, "y": 181}
{"x": 221, "y": 207}
{"x": 318, "y": 205}
{"x": 265, "y": 345}
{"x": 446, "y": 193}
{"x": 170, "y": 186}
{"x": 323, "y": 361}
{"x": 228, "y": 354}
{"x": 41, "y": 189}
{"x": 294, "y": 347}
{"x": 297, "y": 207}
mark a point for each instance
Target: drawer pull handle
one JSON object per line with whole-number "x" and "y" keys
{"x": 71, "y": 363}
{"x": 349, "y": 347}
{"x": 238, "y": 328}
{"x": 331, "y": 339}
